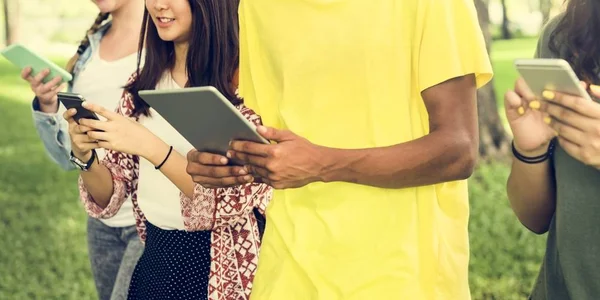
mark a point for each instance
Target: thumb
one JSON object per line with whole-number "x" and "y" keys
{"x": 273, "y": 134}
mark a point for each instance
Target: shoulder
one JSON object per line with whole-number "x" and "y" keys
{"x": 543, "y": 50}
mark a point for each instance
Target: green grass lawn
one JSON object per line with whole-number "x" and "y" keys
{"x": 43, "y": 251}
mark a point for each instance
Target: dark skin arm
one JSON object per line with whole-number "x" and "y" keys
{"x": 447, "y": 153}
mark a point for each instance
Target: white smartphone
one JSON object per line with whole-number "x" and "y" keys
{"x": 555, "y": 75}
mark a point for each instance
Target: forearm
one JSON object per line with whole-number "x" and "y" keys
{"x": 174, "y": 167}
{"x": 438, "y": 157}
{"x": 99, "y": 183}
{"x": 531, "y": 193}
{"x": 54, "y": 132}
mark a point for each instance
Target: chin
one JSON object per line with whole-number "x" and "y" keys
{"x": 167, "y": 37}
{"x": 105, "y": 6}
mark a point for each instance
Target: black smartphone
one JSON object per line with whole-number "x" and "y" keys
{"x": 71, "y": 100}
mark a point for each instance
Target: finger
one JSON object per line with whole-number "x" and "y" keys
{"x": 523, "y": 90}
{"x": 249, "y": 159}
{"x": 569, "y": 133}
{"x": 568, "y": 116}
{"x": 195, "y": 169}
{"x": 273, "y": 134}
{"x": 578, "y": 104}
{"x": 51, "y": 85}
{"x": 84, "y": 147}
{"x": 250, "y": 148}
{"x": 95, "y": 135}
{"x": 39, "y": 78}
{"x": 513, "y": 105}
{"x": 94, "y": 124}
{"x": 222, "y": 182}
{"x": 69, "y": 114}
{"x": 83, "y": 138}
{"x": 595, "y": 91}
{"x": 205, "y": 158}
{"x": 82, "y": 129}
{"x": 258, "y": 172}
{"x": 109, "y": 115}
{"x": 25, "y": 73}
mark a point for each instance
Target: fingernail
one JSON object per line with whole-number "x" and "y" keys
{"x": 243, "y": 172}
{"x": 223, "y": 160}
{"x": 595, "y": 88}
{"x": 547, "y": 120}
{"x": 548, "y": 95}
{"x": 262, "y": 129}
{"x": 248, "y": 178}
{"x": 555, "y": 132}
{"x": 535, "y": 104}
{"x": 84, "y": 104}
{"x": 521, "y": 110}
{"x": 229, "y": 154}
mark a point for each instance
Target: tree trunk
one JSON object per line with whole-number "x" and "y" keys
{"x": 11, "y": 21}
{"x": 493, "y": 140}
{"x": 505, "y": 22}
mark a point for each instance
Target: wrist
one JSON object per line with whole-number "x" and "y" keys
{"x": 83, "y": 156}
{"x": 330, "y": 165}
{"x": 541, "y": 150}
{"x": 535, "y": 156}
{"x": 48, "y": 108}
{"x": 156, "y": 151}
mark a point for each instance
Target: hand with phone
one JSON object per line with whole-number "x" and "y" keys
{"x": 81, "y": 143}
{"x": 576, "y": 122}
{"x": 46, "y": 93}
{"x": 528, "y": 121}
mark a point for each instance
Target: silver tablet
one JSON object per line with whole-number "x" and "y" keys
{"x": 203, "y": 116}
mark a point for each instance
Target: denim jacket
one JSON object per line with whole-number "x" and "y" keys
{"x": 52, "y": 127}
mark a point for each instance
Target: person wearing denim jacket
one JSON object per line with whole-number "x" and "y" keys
{"x": 113, "y": 244}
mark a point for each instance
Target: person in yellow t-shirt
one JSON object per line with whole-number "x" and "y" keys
{"x": 371, "y": 107}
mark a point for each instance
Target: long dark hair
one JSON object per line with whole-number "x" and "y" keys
{"x": 576, "y": 38}
{"x": 213, "y": 53}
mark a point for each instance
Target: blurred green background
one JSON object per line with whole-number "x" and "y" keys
{"x": 43, "y": 252}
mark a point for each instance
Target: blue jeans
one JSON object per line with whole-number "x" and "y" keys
{"x": 113, "y": 252}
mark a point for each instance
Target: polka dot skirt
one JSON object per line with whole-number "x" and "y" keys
{"x": 175, "y": 265}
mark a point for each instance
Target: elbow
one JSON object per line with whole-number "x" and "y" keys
{"x": 465, "y": 158}
{"x": 539, "y": 230}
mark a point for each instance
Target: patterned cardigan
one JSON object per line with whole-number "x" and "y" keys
{"x": 227, "y": 212}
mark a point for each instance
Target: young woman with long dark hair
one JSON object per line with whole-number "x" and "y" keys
{"x": 201, "y": 243}
{"x": 553, "y": 186}
{"x": 105, "y": 59}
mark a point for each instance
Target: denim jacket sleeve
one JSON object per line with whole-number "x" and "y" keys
{"x": 54, "y": 133}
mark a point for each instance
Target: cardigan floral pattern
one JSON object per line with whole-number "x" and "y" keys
{"x": 227, "y": 212}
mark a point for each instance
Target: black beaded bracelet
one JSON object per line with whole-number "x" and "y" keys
{"x": 536, "y": 159}
{"x": 165, "y": 160}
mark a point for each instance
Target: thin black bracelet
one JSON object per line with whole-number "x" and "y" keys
{"x": 164, "y": 161}
{"x": 536, "y": 159}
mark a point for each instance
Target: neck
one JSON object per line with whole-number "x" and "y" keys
{"x": 128, "y": 18}
{"x": 181, "y": 51}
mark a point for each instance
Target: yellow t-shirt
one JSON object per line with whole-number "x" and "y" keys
{"x": 348, "y": 74}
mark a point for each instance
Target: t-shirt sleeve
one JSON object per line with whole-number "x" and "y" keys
{"x": 451, "y": 44}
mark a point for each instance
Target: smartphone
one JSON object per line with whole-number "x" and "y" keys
{"x": 71, "y": 100}
{"x": 555, "y": 75}
{"x": 22, "y": 57}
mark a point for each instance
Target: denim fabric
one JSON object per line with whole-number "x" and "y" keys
{"x": 114, "y": 253}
